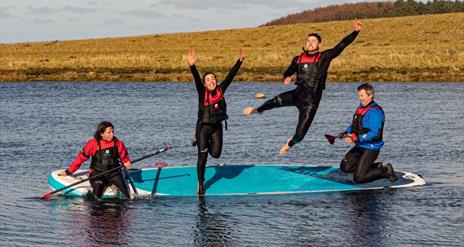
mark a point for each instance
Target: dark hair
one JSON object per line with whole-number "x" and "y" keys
{"x": 368, "y": 88}
{"x": 101, "y": 129}
{"x": 318, "y": 37}
{"x": 208, "y": 73}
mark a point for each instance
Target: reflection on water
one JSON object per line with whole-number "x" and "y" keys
{"x": 107, "y": 223}
{"x": 367, "y": 217}
{"x": 211, "y": 227}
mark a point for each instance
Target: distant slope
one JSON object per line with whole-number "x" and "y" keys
{"x": 365, "y": 10}
{"x": 415, "y": 48}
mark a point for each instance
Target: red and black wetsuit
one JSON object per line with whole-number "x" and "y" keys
{"x": 311, "y": 72}
{"x": 105, "y": 155}
{"x": 211, "y": 113}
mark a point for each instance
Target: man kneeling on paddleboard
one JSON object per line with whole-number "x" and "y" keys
{"x": 106, "y": 151}
{"x": 365, "y": 132}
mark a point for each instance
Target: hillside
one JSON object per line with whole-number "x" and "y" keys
{"x": 377, "y": 9}
{"x": 415, "y": 48}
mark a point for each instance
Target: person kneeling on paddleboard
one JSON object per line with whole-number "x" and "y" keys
{"x": 107, "y": 152}
{"x": 365, "y": 132}
{"x": 211, "y": 112}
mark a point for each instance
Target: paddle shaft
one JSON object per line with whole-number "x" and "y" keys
{"x": 130, "y": 180}
{"x": 103, "y": 173}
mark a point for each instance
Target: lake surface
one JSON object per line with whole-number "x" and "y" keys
{"x": 44, "y": 125}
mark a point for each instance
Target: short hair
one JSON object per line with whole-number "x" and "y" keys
{"x": 101, "y": 129}
{"x": 318, "y": 37}
{"x": 368, "y": 88}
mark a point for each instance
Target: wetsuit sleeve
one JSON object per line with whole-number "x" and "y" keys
{"x": 233, "y": 71}
{"x": 123, "y": 154}
{"x": 292, "y": 68}
{"x": 197, "y": 79}
{"x": 334, "y": 52}
{"x": 373, "y": 121}
{"x": 348, "y": 129}
{"x": 88, "y": 151}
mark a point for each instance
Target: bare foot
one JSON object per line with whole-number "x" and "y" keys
{"x": 285, "y": 148}
{"x": 249, "y": 110}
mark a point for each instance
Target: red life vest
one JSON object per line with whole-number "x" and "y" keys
{"x": 307, "y": 74}
{"x": 356, "y": 125}
{"x": 214, "y": 109}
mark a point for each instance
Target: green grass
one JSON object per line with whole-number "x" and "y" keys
{"x": 416, "y": 48}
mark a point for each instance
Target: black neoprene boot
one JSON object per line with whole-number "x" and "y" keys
{"x": 389, "y": 172}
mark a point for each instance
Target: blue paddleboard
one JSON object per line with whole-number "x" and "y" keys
{"x": 236, "y": 179}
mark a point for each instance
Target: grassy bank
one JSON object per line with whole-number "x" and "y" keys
{"x": 417, "y": 48}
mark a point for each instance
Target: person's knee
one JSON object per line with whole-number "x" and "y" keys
{"x": 359, "y": 178}
{"x": 202, "y": 156}
{"x": 216, "y": 154}
{"x": 346, "y": 165}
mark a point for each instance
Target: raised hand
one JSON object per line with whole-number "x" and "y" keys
{"x": 191, "y": 58}
{"x": 242, "y": 55}
{"x": 357, "y": 25}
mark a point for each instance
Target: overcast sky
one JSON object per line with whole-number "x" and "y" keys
{"x": 36, "y": 20}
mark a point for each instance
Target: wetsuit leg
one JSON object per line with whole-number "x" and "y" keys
{"x": 99, "y": 185}
{"x": 307, "y": 102}
{"x": 117, "y": 179}
{"x": 215, "y": 145}
{"x": 283, "y": 99}
{"x": 203, "y": 138}
{"x": 365, "y": 170}
{"x": 351, "y": 159}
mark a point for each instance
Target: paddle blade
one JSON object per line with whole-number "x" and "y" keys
{"x": 161, "y": 164}
{"x": 45, "y": 196}
{"x": 330, "y": 138}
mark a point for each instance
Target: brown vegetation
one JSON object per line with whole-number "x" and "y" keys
{"x": 416, "y": 48}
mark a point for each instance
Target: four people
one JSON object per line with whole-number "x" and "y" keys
{"x": 366, "y": 132}
{"x": 311, "y": 68}
{"x": 107, "y": 152}
{"x": 212, "y": 111}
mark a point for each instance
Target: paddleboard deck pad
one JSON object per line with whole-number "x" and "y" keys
{"x": 236, "y": 180}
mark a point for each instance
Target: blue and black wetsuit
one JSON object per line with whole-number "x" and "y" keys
{"x": 367, "y": 131}
{"x": 311, "y": 72}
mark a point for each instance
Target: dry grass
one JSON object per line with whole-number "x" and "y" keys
{"x": 417, "y": 48}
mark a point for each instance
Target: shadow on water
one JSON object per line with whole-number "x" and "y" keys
{"x": 227, "y": 172}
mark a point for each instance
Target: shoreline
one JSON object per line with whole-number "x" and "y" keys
{"x": 150, "y": 75}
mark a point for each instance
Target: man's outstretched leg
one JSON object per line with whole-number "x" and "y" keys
{"x": 283, "y": 99}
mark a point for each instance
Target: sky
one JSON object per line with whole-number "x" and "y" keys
{"x": 38, "y": 20}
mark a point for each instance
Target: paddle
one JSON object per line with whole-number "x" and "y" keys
{"x": 105, "y": 172}
{"x": 158, "y": 173}
{"x": 130, "y": 180}
{"x": 331, "y": 138}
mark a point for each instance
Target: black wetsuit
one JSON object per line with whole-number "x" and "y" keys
{"x": 209, "y": 129}
{"x": 103, "y": 160}
{"x": 307, "y": 95}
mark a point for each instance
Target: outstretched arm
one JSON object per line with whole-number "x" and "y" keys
{"x": 334, "y": 52}
{"x": 290, "y": 71}
{"x": 233, "y": 71}
{"x": 191, "y": 59}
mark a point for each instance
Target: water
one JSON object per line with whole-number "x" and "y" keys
{"x": 44, "y": 125}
